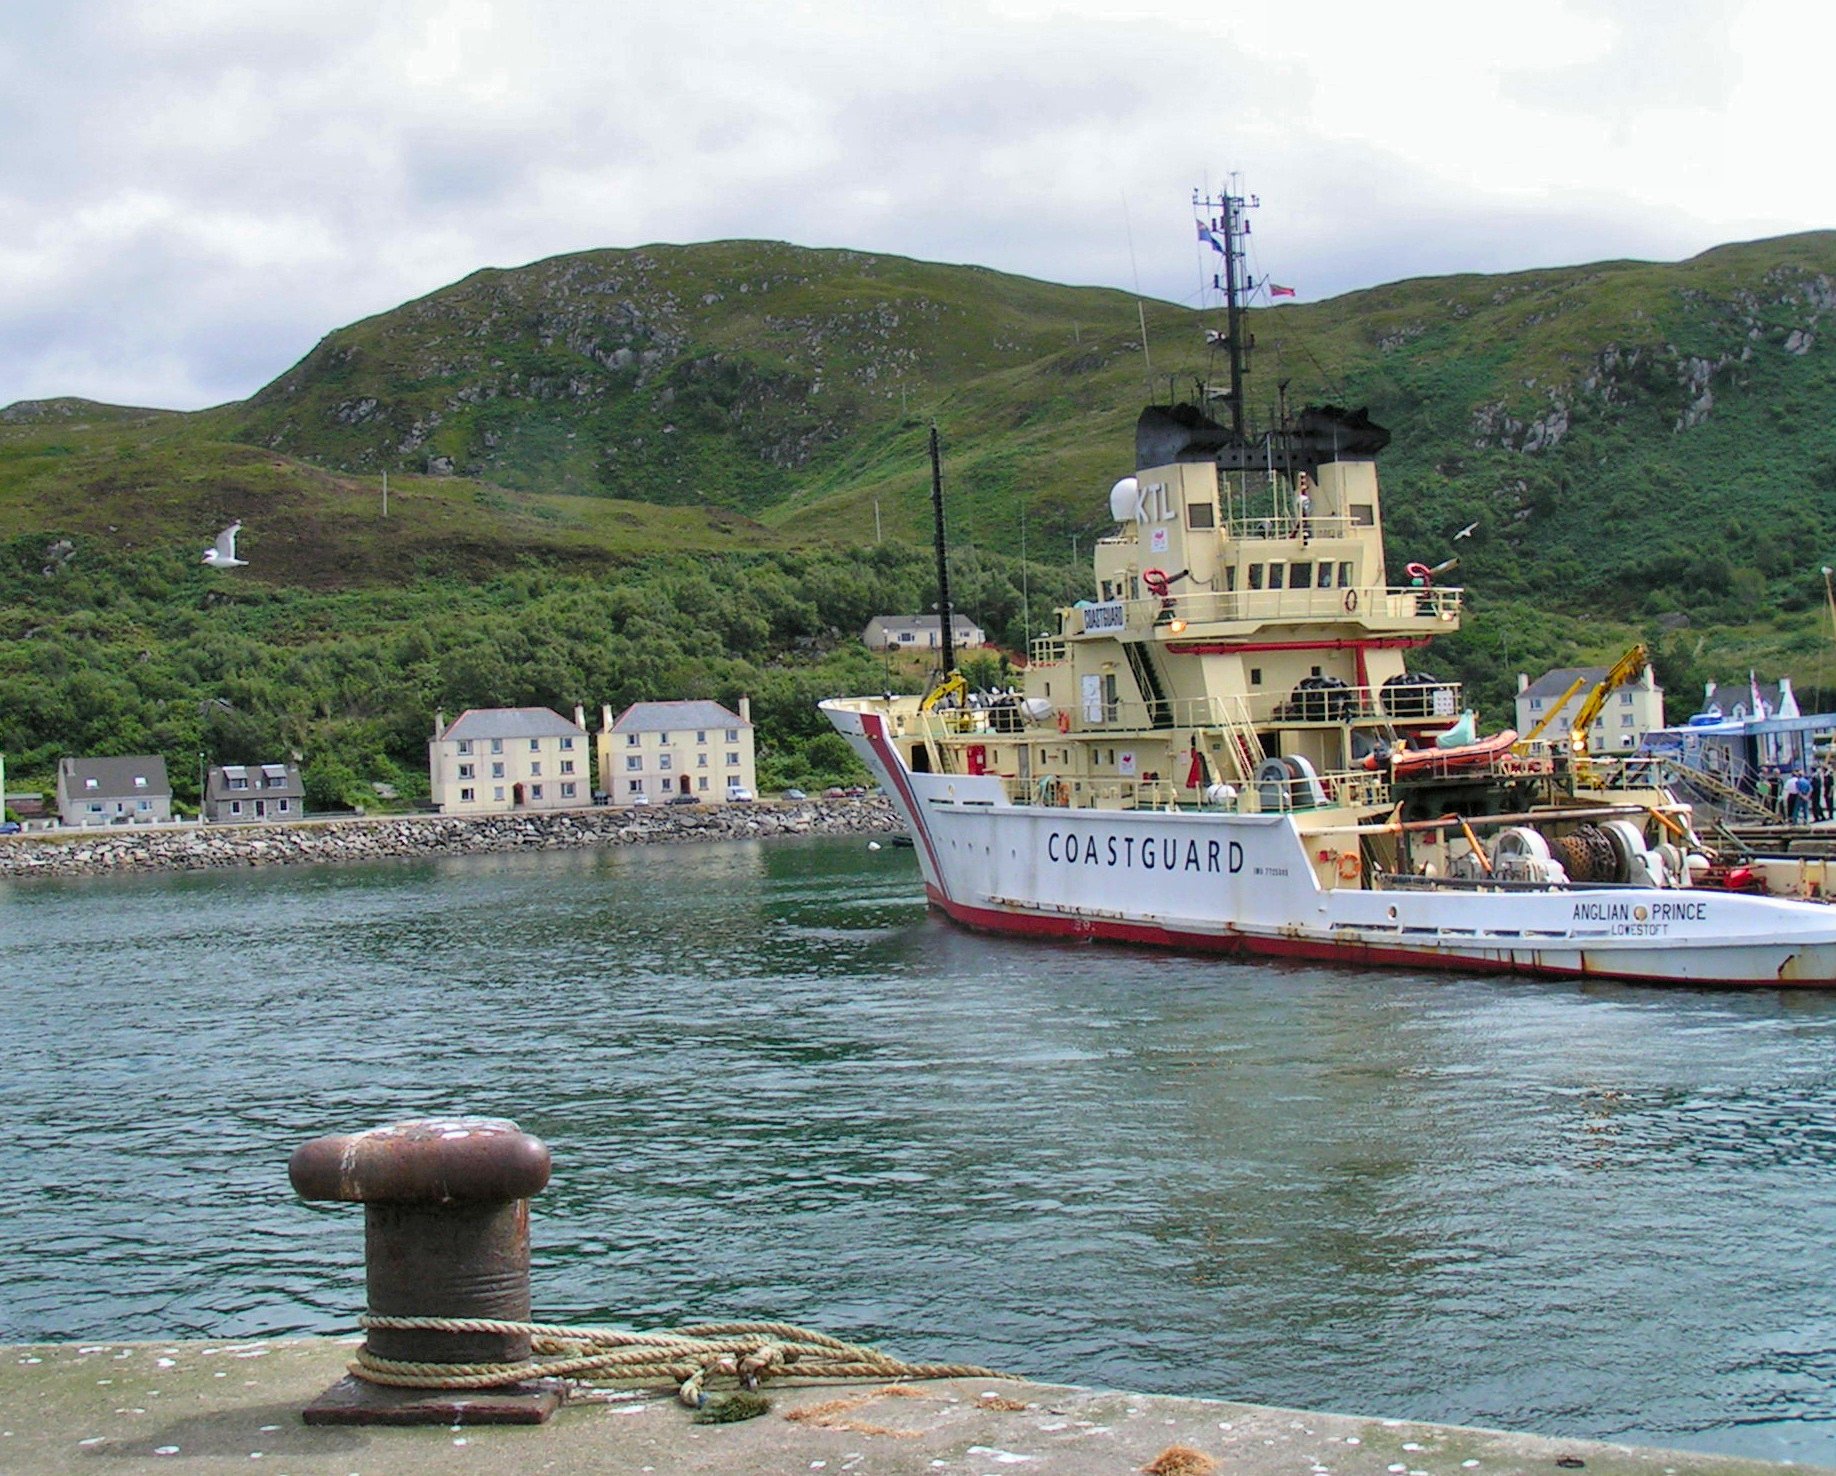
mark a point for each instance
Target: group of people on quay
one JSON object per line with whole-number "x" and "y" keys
{"x": 1798, "y": 796}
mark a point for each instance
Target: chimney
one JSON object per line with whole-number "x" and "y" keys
{"x": 745, "y": 709}
{"x": 1523, "y": 682}
{"x": 439, "y": 723}
{"x": 605, "y": 717}
{"x": 579, "y": 716}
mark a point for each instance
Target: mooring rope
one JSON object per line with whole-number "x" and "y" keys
{"x": 688, "y": 1357}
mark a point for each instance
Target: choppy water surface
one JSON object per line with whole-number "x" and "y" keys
{"x": 776, "y": 1088}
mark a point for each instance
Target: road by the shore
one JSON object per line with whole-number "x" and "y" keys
{"x": 165, "y": 1408}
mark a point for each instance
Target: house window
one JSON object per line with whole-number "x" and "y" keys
{"x": 1536, "y": 704}
{"x": 701, "y": 761}
{"x": 733, "y": 735}
{"x": 663, "y": 738}
{"x": 465, "y": 771}
{"x": 281, "y": 805}
{"x": 497, "y": 770}
{"x": 535, "y": 769}
{"x": 905, "y": 636}
{"x": 1625, "y": 699}
{"x": 636, "y": 786}
{"x": 535, "y": 745}
{"x": 567, "y": 766}
{"x": 634, "y": 761}
{"x": 140, "y": 780}
{"x": 535, "y": 791}
{"x": 498, "y": 794}
{"x": 235, "y": 807}
{"x": 144, "y": 805}
{"x": 567, "y": 744}
{"x": 239, "y": 783}
{"x": 702, "y": 784}
{"x": 89, "y": 784}
{"x": 95, "y": 809}
{"x": 465, "y": 745}
{"x": 567, "y": 791}
{"x": 663, "y": 761}
{"x": 631, "y": 740}
{"x": 732, "y": 759}
{"x": 466, "y": 796}
{"x": 497, "y": 745}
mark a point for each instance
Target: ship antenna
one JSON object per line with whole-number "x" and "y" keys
{"x": 946, "y": 617}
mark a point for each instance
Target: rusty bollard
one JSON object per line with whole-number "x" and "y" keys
{"x": 446, "y": 1234}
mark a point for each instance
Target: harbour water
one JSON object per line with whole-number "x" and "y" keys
{"x": 775, "y": 1087}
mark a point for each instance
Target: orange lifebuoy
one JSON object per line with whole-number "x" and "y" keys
{"x": 1421, "y": 572}
{"x": 1349, "y": 866}
{"x": 1156, "y": 581}
{"x": 1064, "y": 721}
{"x": 1350, "y": 601}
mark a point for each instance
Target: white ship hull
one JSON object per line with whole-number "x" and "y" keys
{"x": 1245, "y": 883}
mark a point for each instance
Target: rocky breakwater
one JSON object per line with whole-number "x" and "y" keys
{"x": 375, "y": 838}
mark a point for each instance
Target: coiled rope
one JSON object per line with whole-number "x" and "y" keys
{"x": 688, "y": 1357}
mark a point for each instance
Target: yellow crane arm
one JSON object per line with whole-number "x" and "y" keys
{"x": 1523, "y": 744}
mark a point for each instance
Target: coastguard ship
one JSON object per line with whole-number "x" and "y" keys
{"x": 1226, "y": 749}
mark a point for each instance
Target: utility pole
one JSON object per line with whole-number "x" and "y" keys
{"x": 385, "y": 492}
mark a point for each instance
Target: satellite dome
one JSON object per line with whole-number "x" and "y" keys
{"x": 1123, "y": 498}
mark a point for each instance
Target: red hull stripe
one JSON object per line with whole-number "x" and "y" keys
{"x": 1105, "y": 930}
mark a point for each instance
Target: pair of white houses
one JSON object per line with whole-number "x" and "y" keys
{"x": 504, "y": 759}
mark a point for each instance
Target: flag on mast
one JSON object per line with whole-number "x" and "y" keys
{"x": 1275, "y": 291}
{"x": 1207, "y": 234}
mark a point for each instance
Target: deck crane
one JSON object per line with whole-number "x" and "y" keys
{"x": 1621, "y": 673}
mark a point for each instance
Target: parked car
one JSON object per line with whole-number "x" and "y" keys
{"x": 682, "y": 799}
{"x": 835, "y": 791}
{"x": 795, "y": 794}
{"x": 9, "y": 827}
{"x": 640, "y": 799}
{"x": 738, "y": 794}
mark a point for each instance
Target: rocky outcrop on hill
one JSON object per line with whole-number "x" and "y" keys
{"x": 196, "y": 847}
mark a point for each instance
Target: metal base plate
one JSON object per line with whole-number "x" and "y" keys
{"x": 351, "y": 1401}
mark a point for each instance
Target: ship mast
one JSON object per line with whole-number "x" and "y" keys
{"x": 1224, "y": 227}
{"x": 946, "y": 615}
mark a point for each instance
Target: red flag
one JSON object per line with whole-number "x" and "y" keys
{"x": 1275, "y": 291}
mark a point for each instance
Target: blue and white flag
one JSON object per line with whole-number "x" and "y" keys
{"x": 1206, "y": 234}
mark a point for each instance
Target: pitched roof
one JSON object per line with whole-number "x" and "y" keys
{"x": 115, "y": 776}
{"x": 266, "y": 781}
{"x": 1555, "y": 683}
{"x": 512, "y": 722}
{"x": 673, "y": 717}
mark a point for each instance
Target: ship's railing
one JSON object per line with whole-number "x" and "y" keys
{"x": 1286, "y": 527}
{"x": 1327, "y": 704}
{"x": 1170, "y": 617}
{"x": 1354, "y": 788}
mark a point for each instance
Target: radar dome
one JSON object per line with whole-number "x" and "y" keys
{"x": 1123, "y": 498}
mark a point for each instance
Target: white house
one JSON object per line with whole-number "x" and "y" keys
{"x": 1633, "y": 711}
{"x": 921, "y": 633}
{"x": 496, "y": 759}
{"x": 657, "y": 751}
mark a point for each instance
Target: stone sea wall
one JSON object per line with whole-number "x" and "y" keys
{"x": 374, "y": 838}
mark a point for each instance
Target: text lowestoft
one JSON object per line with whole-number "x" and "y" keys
{"x": 1145, "y": 853}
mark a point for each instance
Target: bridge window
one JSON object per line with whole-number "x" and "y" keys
{"x": 1277, "y": 573}
{"x": 1255, "y": 576}
{"x": 1200, "y": 515}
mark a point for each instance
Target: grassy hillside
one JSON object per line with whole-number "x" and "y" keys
{"x": 678, "y": 456}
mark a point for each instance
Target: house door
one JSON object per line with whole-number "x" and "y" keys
{"x": 516, "y": 794}
{"x": 684, "y": 789}
{"x": 261, "y": 809}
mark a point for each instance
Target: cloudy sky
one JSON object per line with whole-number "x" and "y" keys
{"x": 193, "y": 192}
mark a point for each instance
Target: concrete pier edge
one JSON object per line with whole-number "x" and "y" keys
{"x": 187, "y": 1406}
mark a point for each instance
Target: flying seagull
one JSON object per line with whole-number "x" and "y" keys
{"x": 1467, "y": 531}
{"x": 222, "y": 553}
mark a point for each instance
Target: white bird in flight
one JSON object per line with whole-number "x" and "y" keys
{"x": 222, "y": 553}
{"x": 1467, "y": 531}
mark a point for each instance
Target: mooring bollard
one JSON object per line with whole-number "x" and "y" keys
{"x": 446, "y": 1234}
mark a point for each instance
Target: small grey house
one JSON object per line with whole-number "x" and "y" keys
{"x": 113, "y": 791}
{"x": 241, "y": 794}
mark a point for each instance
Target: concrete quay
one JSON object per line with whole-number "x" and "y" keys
{"x": 209, "y": 1407}
{"x": 128, "y": 850}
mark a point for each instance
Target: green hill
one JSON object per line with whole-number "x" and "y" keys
{"x": 703, "y": 440}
